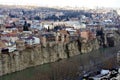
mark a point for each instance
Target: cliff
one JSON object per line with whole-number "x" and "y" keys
{"x": 17, "y": 61}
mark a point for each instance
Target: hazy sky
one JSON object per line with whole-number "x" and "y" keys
{"x": 72, "y": 3}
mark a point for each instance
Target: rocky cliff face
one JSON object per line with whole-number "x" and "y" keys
{"x": 16, "y": 61}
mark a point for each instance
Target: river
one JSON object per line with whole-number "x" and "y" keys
{"x": 69, "y": 69}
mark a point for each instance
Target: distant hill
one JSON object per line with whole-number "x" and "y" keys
{"x": 33, "y": 7}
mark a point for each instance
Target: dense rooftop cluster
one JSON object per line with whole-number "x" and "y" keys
{"x": 22, "y": 28}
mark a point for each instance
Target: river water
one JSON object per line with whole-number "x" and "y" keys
{"x": 69, "y": 69}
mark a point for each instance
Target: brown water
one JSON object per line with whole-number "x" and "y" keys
{"x": 68, "y": 69}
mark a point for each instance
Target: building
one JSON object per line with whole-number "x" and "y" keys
{"x": 20, "y": 45}
{"x": 62, "y": 36}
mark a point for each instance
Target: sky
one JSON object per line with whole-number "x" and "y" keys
{"x": 62, "y": 3}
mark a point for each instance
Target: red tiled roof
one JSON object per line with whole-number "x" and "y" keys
{"x": 9, "y": 34}
{"x": 63, "y": 32}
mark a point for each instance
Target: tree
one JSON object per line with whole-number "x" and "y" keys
{"x": 37, "y": 18}
{"x": 26, "y": 26}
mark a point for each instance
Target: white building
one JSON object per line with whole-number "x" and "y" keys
{"x": 36, "y": 40}
{"x": 48, "y": 26}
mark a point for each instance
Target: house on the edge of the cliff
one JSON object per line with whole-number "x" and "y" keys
{"x": 87, "y": 35}
{"x": 62, "y": 36}
{"x": 20, "y": 45}
{"x": 11, "y": 36}
{"x": 47, "y": 37}
{"x": 7, "y": 46}
{"x": 2, "y": 46}
{"x": 31, "y": 41}
{"x": 9, "y": 39}
{"x": 74, "y": 34}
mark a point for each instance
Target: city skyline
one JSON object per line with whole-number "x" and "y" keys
{"x": 63, "y": 3}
